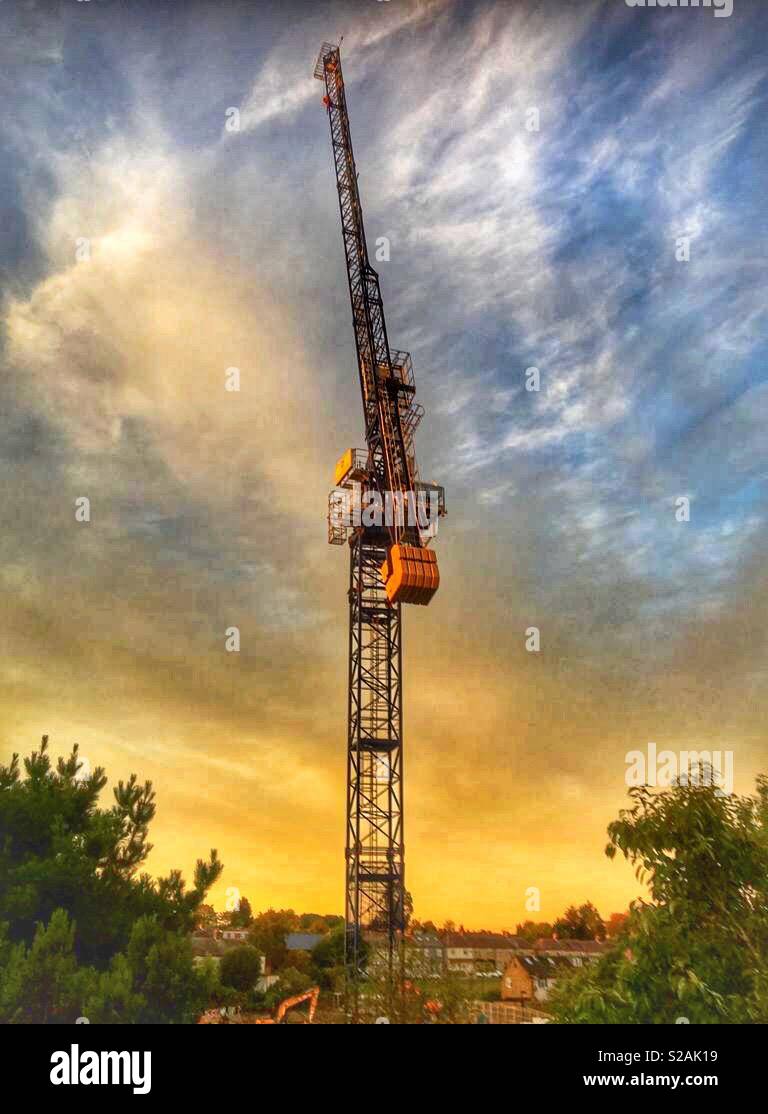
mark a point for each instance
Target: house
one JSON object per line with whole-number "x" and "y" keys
{"x": 480, "y": 953}
{"x": 530, "y": 975}
{"x": 529, "y": 978}
{"x": 423, "y": 955}
{"x": 205, "y": 947}
{"x": 237, "y": 935}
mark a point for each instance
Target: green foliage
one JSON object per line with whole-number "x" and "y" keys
{"x": 327, "y": 960}
{"x": 699, "y": 948}
{"x": 290, "y": 982}
{"x": 615, "y": 924}
{"x": 240, "y": 968}
{"x": 164, "y": 974}
{"x": 43, "y": 983}
{"x": 319, "y": 923}
{"x": 534, "y": 930}
{"x": 242, "y": 916}
{"x": 447, "y": 1000}
{"x": 205, "y": 918}
{"x": 268, "y": 933}
{"x": 584, "y": 923}
{"x": 330, "y": 978}
{"x": 83, "y": 934}
{"x": 255, "y": 1001}
{"x": 302, "y": 961}
{"x": 329, "y": 952}
{"x": 455, "y": 996}
{"x": 113, "y": 1000}
{"x": 424, "y": 926}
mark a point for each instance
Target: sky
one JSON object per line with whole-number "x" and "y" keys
{"x": 538, "y": 170}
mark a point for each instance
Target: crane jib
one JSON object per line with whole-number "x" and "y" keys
{"x": 387, "y": 387}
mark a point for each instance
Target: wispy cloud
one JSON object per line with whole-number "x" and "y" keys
{"x": 510, "y": 248}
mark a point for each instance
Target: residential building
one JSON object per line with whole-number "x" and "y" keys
{"x": 530, "y": 975}
{"x": 529, "y": 978}
{"x": 424, "y": 956}
{"x": 480, "y": 953}
{"x": 239, "y": 935}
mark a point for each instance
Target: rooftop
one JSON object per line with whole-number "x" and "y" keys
{"x": 483, "y": 940}
{"x": 302, "y": 941}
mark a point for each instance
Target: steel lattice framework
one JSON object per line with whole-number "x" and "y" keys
{"x": 375, "y": 878}
{"x": 374, "y": 845}
{"x": 374, "y": 836}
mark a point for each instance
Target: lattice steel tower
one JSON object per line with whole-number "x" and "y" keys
{"x": 387, "y": 517}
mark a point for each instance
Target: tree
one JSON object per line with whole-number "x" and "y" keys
{"x": 164, "y": 974}
{"x": 206, "y": 919}
{"x": 83, "y": 929}
{"x": 329, "y": 952}
{"x": 301, "y": 961}
{"x": 114, "y": 1001}
{"x": 291, "y": 981}
{"x": 699, "y": 948}
{"x": 268, "y": 933}
{"x": 447, "y": 1000}
{"x": 407, "y": 909}
{"x": 240, "y": 968}
{"x": 327, "y": 958}
{"x": 615, "y": 924}
{"x": 584, "y": 923}
{"x": 242, "y": 916}
{"x": 43, "y": 984}
{"x": 425, "y": 926}
{"x": 319, "y": 924}
{"x": 533, "y": 930}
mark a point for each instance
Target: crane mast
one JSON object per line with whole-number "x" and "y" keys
{"x": 390, "y": 564}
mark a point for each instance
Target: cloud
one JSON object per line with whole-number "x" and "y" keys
{"x": 285, "y": 85}
{"x": 510, "y": 248}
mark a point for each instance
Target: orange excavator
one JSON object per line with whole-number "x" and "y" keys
{"x": 224, "y": 1017}
{"x": 310, "y": 996}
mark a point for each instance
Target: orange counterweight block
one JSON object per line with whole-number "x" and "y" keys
{"x": 410, "y": 574}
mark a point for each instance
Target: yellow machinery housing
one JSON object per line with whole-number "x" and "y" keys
{"x": 350, "y": 467}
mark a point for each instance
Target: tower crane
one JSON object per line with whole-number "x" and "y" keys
{"x": 391, "y": 563}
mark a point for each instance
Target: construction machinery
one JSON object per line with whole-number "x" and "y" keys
{"x": 287, "y": 1004}
{"x": 235, "y": 1016}
{"x": 378, "y": 507}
